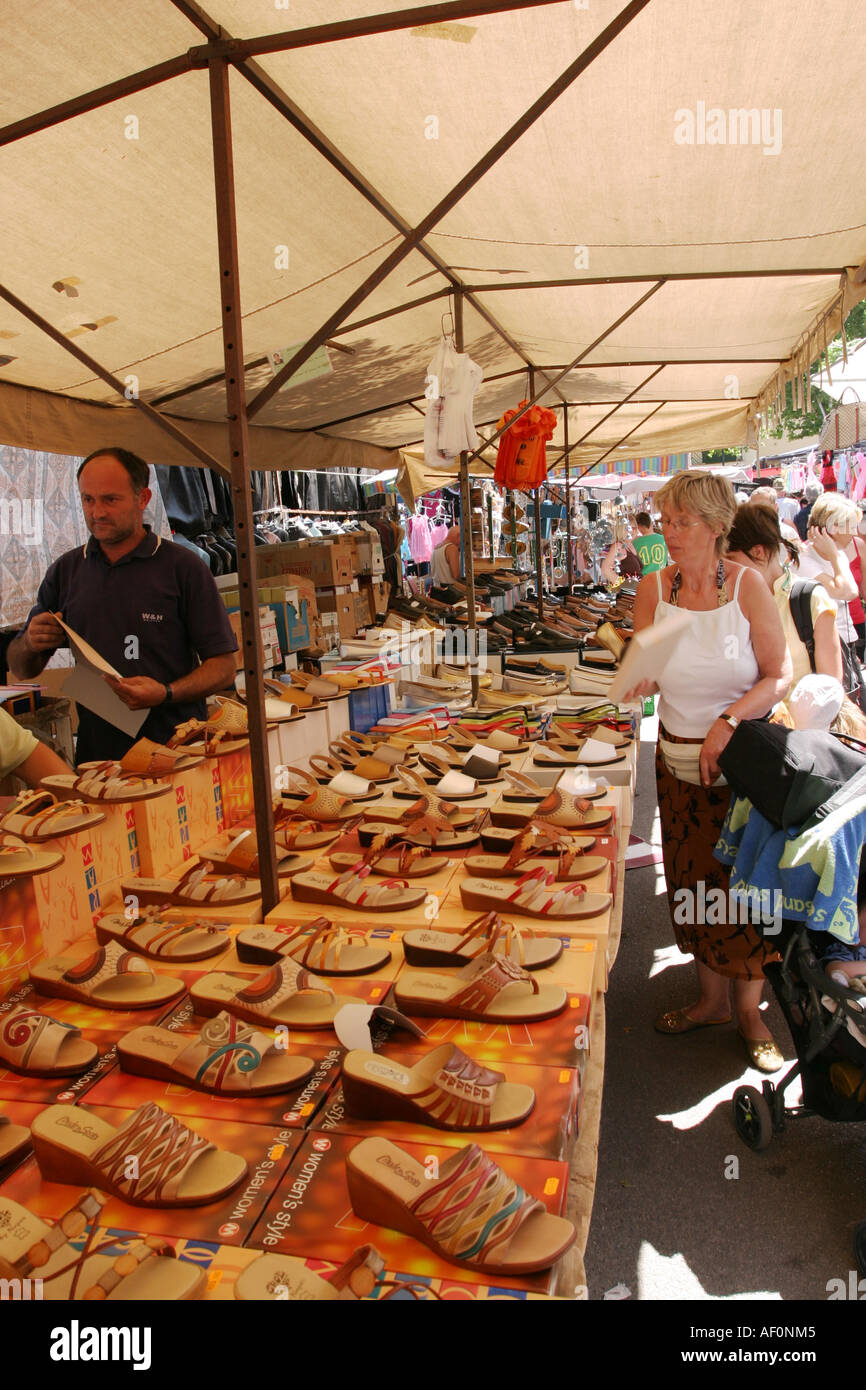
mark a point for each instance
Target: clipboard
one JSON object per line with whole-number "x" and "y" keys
{"x": 86, "y": 685}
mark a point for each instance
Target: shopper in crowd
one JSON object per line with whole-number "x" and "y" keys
{"x": 786, "y": 506}
{"x": 732, "y": 664}
{"x": 22, "y": 753}
{"x": 834, "y": 541}
{"x": 620, "y": 560}
{"x": 445, "y": 566}
{"x": 756, "y": 540}
{"x": 809, "y": 498}
{"x": 149, "y": 608}
{"x": 650, "y": 545}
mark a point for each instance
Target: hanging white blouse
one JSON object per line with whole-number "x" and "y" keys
{"x": 452, "y": 381}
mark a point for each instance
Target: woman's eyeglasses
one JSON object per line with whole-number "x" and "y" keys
{"x": 677, "y": 526}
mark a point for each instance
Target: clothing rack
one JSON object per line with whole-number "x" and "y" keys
{"x": 308, "y": 511}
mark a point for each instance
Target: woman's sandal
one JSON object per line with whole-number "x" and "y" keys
{"x": 34, "y": 1044}
{"x": 592, "y": 753}
{"x": 354, "y": 888}
{"x": 295, "y": 831}
{"x": 321, "y": 947}
{"x": 111, "y": 979}
{"x": 550, "y": 839}
{"x": 383, "y": 749}
{"x": 154, "y": 760}
{"x": 194, "y": 888}
{"x": 237, "y": 851}
{"x": 175, "y": 1166}
{"x": 454, "y": 786}
{"x": 490, "y": 989}
{"x": 445, "y": 1089}
{"x": 315, "y": 802}
{"x": 392, "y": 854}
{"x": 563, "y": 809}
{"x": 145, "y": 1269}
{"x": 288, "y": 1278}
{"x": 147, "y": 935}
{"x": 225, "y": 1058}
{"x": 427, "y": 803}
{"x": 523, "y": 856}
{"x": 489, "y": 934}
{"x": 317, "y": 687}
{"x": 36, "y": 815}
{"x": 20, "y": 860}
{"x": 534, "y": 895}
{"x": 285, "y": 994}
{"x": 474, "y": 1214}
{"x": 352, "y": 759}
{"x": 98, "y": 782}
{"x": 339, "y": 779}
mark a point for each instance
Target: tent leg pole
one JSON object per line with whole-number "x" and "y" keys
{"x": 466, "y": 509}
{"x": 569, "y": 562}
{"x": 218, "y": 72}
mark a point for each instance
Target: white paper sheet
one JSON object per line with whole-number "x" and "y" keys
{"x": 86, "y": 686}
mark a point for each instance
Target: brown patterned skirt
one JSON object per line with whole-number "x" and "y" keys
{"x": 691, "y": 822}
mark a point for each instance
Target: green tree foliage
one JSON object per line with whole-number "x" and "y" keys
{"x": 799, "y": 424}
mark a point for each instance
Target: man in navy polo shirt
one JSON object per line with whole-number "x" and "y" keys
{"x": 149, "y": 607}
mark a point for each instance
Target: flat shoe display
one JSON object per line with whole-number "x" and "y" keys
{"x": 194, "y": 888}
{"x": 175, "y": 1166}
{"x": 111, "y": 979}
{"x": 490, "y": 989}
{"x": 20, "y": 860}
{"x": 678, "y": 1021}
{"x": 445, "y": 1089}
{"x": 489, "y": 934}
{"x": 473, "y": 1214}
{"x": 535, "y": 894}
{"x": 36, "y": 815}
{"x": 34, "y": 1044}
{"x": 354, "y": 888}
{"x": 320, "y": 947}
{"x": 226, "y": 1057}
{"x": 763, "y": 1053}
{"x": 284, "y": 994}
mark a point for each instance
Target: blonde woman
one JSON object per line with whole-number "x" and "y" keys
{"x": 833, "y": 540}
{"x": 731, "y": 665}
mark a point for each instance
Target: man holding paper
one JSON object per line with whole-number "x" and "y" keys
{"x": 149, "y": 608}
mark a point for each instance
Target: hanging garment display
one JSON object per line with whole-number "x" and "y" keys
{"x": 828, "y": 472}
{"x": 452, "y": 381}
{"x": 420, "y": 542}
{"x": 521, "y": 461}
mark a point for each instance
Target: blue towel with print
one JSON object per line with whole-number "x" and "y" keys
{"x": 813, "y": 867}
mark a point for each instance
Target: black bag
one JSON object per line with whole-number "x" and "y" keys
{"x": 800, "y": 602}
{"x": 787, "y": 773}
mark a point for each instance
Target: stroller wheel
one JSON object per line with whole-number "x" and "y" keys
{"x": 860, "y": 1246}
{"x": 752, "y": 1117}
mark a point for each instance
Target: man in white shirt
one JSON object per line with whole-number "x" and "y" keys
{"x": 785, "y": 505}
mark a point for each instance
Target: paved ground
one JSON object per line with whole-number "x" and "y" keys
{"x": 682, "y": 1208}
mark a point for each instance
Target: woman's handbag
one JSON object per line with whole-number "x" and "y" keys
{"x": 682, "y": 761}
{"x": 787, "y": 773}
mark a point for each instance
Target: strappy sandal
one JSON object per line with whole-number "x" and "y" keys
{"x": 338, "y": 779}
{"x": 353, "y": 888}
{"x": 383, "y": 749}
{"x": 153, "y": 760}
{"x": 175, "y": 1166}
{"x": 316, "y": 686}
{"x": 523, "y": 856}
{"x": 489, "y": 934}
{"x": 117, "y": 1268}
{"x": 392, "y": 854}
{"x": 225, "y": 1058}
{"x": 426, "y": 803}
{"x": 103, "y": 782}
{"x": 111, "y": 979}
{"x": 285, "y": 994}
{"x": 551, "y": 839}
{"x": 314, "y": 802}
{"x": 36, "y": 815}
{"x": 445, "y": 1090}
{"x": 34, "y": 1044}
{"x": 148, "y": 935}
{"x": 562, "y": 808}
{"x": 523, "y": 788}
{"x": 20, "y": 860}
{"x": 534, "y": 895}
{"x": 237, "y": 852}
{"x": 193, "y": 888}
{"x": 427, "y": 831}
{"x": 321, "y": 947}
{"x": 288, "y": 1277}
{"x": 295, "y": 831}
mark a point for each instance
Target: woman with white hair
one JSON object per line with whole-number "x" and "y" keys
{"x": 833, "y": 534}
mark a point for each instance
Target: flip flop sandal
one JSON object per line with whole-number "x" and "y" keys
{"x": 20, "y": 860}
{"x": 534, "y": 895}
{"x": 193, "y": 888}
{"x": 489, "y": 934}
{"x": 102, "y": 782}
{"x": 36, "y": 815}
{"x": 175, "y": 1166}
{"x": 353, "y": 889}
{"x": 34, "y": 1044}
{"x": 490, "y": 989}
{"x": 445, "y": 1090}
{"x": 146, "y": 935}
{"x": 285, "y": 994}
{"x": 294, "y": 831}
{"x": 226, "y": 1058}
{"x": 286, "y": 1277}
{"x": 145, "y": 1268}
{"x": 152, "y": 760}
{"x": 238, "y": 852}
{"x": 111, "y": 979}
{"x": 501, "y": 841}
{"x": 392, "y": 855}
{"x": 427, "y": 832}
{"x": 321, "y": 947}
{"x": 336, "y": 777}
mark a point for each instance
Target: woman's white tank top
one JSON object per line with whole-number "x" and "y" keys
{"x": 712, "y": 665}
{"x": 440, "y": 570}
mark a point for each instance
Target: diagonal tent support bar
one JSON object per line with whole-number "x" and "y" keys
{"x": 563, "y": 457}
{"x": 229, "y": 285}
{"x": 105, "y": 375}
{"x": 619, "y": 442}
{"x": 477, "y": 172}
{"x": 537, "y": 395}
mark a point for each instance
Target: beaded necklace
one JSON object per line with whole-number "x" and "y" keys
{"x": 720, "y": 580}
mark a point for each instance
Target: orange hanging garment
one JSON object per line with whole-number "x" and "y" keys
{"x": 521, "y": 461}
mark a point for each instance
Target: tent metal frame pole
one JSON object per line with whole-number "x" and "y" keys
{"x": 466, "y": 511}
{"x": 232, "y": 330}
{"x": 482, "y": 166}
{"x": 615, "y": 446}
{"x": 563, "y": 457}
{"x": 536, "y": 506}
{"x": 99, "y": 96}
{"x": 161, "y": 421}
{"x": 537, "y": 395}
{"x": 684, "y": 275}
{"x": 569, "y": 562}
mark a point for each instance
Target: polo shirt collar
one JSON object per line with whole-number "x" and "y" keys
{"x": 143, "y": 551}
